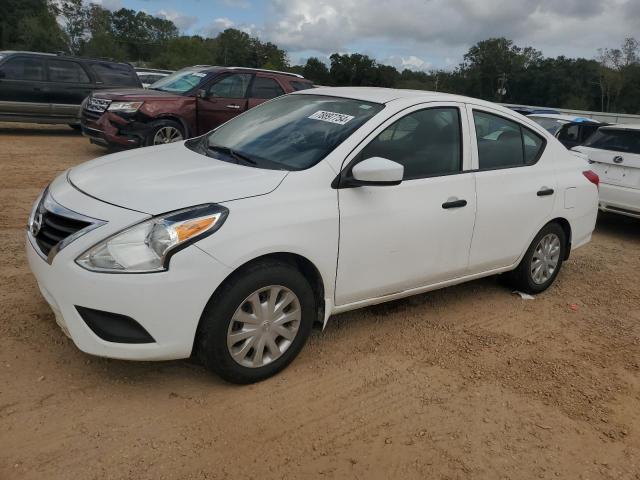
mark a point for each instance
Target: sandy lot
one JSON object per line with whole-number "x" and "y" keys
{"x": 470, "y": 382}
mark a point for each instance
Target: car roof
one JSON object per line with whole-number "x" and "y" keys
{"x": 568, "y": 118}
{"x": 59, "y": 55}
{"x": 622, "y": 126}
{"x": 215, "y": 68}
{"x": 386, "y": 95}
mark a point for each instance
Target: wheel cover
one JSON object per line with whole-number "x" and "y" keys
{"x": 167, "y": 134}
{"x": 545, "y": 259}
{"x": 264, "y": 326}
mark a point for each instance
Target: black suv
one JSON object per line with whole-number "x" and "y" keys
{"x": 49, "y": 88}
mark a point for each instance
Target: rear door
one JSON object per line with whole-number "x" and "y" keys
{"x": 69, "y": 84}
{"x": 223, "y": 100}
{"x": 23, "y": 87}
{"x": 263, "y": 88}
{"x": 516, "y": 189}
{"x": 615, "y": 156}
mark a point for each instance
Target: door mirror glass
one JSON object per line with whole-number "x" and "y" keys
{"x": 201, "y": 93}
{"x": 378, "y": 171}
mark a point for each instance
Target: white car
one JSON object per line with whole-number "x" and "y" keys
{"x": 230, "y": 246}
{"x": 614, "y": 154}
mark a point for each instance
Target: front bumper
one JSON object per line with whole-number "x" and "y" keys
{"x": 621, "y": 200}
{"x": 111, "y": 129}
{"x": 168, "y": 305}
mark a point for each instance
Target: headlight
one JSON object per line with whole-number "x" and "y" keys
{"x": 126, "y": 107}
{"x": 148, "y": 246}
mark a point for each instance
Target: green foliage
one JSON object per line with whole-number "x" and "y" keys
{"x": 30, "y": 25}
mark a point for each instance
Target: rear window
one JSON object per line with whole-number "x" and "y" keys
{"x": 627, "y": 141}
{"x": 297, "y": 86}
{"x": 115, "y": 74}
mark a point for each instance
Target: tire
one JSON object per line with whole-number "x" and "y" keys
{"x": 524, "y": 277}
{"x": 234, "y": 300}
{"x": 165, "y": 131}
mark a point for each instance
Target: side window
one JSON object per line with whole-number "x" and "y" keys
{"x": 503, "y": 143}
{"x": 23, "y": 68}
{"x": 231, "y": 86}
{"x": 427, "y": 142}
{"x": 65, "y": 71}
{"x": 570, "y": 133}
{"x": 115, "y": 74}
{"x": 297, "y": 86}
{"x": 265, "y": 88}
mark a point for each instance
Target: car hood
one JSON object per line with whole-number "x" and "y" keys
{"x": 160, "y": 179}
{"x": 126, "y": 94}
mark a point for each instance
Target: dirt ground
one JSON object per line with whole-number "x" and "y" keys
{"x": 470, "y": 382}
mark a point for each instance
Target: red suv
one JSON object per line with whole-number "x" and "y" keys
{"x": 185, "y": 104}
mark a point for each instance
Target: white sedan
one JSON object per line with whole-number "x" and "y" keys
{"x": 230, "y": 246}
{"x": 614, "y": 154}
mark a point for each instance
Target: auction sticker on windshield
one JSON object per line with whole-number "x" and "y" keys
{"x": 331, "y": 117}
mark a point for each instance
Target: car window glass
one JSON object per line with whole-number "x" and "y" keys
{"x": 503, "y": 143}
{"x": 115, "y": 74}
{"x": 65, "y": 71}
{"x": 231, "y": 86}
{"x": 23, "y": 68}
{"x": 300, "y": 85}
{"x": 615, "y": 140}
{"x": 265, "y": 88}
{"x": 426, "y": 143}
{"x": 570, "y": 133}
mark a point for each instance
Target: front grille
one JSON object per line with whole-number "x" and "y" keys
{"x": 97, "y": 105}
{"x": 55, "y": 228}
{"x": 89, "y": 115}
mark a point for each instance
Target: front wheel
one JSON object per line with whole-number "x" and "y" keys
{"x": 165, "y": 131}
{"x": 542, "y": 262}
{"x": 257, "y": 323}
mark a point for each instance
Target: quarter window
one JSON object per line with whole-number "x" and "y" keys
{"x": 427, "y": 143}
{"x": 67, "y": 72}
{"x": 265, "y": 88}
{"x": 115, "y": 74}
{"x": 231, "y": 86}
{"x": 503, "y": 143}
{"x": 23, "y": 68}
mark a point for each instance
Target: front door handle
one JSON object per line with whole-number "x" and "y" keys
{"x": 545, "y": 192}
{"x": 454, "y": 204}
{"x": 235, "y": 107}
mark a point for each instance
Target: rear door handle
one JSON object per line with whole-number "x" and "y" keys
{"x": 545, "y": 192}
{"x": 235, "y": 107}
{"x": 454, "y": 204}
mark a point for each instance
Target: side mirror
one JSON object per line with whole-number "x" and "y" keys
{"x": 377, "y": 171}
{"x": 202, "y": 93}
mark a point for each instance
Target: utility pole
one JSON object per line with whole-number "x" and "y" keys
{"x": 502, "y": 86}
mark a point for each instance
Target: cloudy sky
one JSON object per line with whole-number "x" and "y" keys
{"x": 419, "y": 34}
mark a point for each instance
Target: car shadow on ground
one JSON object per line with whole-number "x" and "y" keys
{"x": 621, "y": 227}
{"x": 39, "y": 130}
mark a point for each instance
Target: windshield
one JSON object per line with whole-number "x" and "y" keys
{"x": 179, "y": 82}
{"x": 293, "y": 132}
{"x": 551, "y": 125}
{"x": 615, "y": 140}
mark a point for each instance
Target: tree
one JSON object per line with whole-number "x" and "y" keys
{"x": 316, "y": 71}
{"x": 76, "y": 16}
{"x": 30, "y": 25}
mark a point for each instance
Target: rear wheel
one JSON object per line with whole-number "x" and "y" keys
{"x": 542, "y": 262}
{"x": 257, "y": 323}
{"x": 165, "y": 131}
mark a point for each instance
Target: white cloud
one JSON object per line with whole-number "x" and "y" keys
{"x": 183, "y": 22}
{"x": 411, "y": 62}
{"x": 109, "y": 4}
{"x": 446, "y": 28}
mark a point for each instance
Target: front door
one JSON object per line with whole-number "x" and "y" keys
{"x": 396, "y": 238}
{"x": 223, "y": 100}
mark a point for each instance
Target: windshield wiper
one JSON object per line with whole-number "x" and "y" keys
{"x": 239, "y": 157}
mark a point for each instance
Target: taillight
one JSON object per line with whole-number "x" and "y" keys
{"x": 592, "y": 177}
